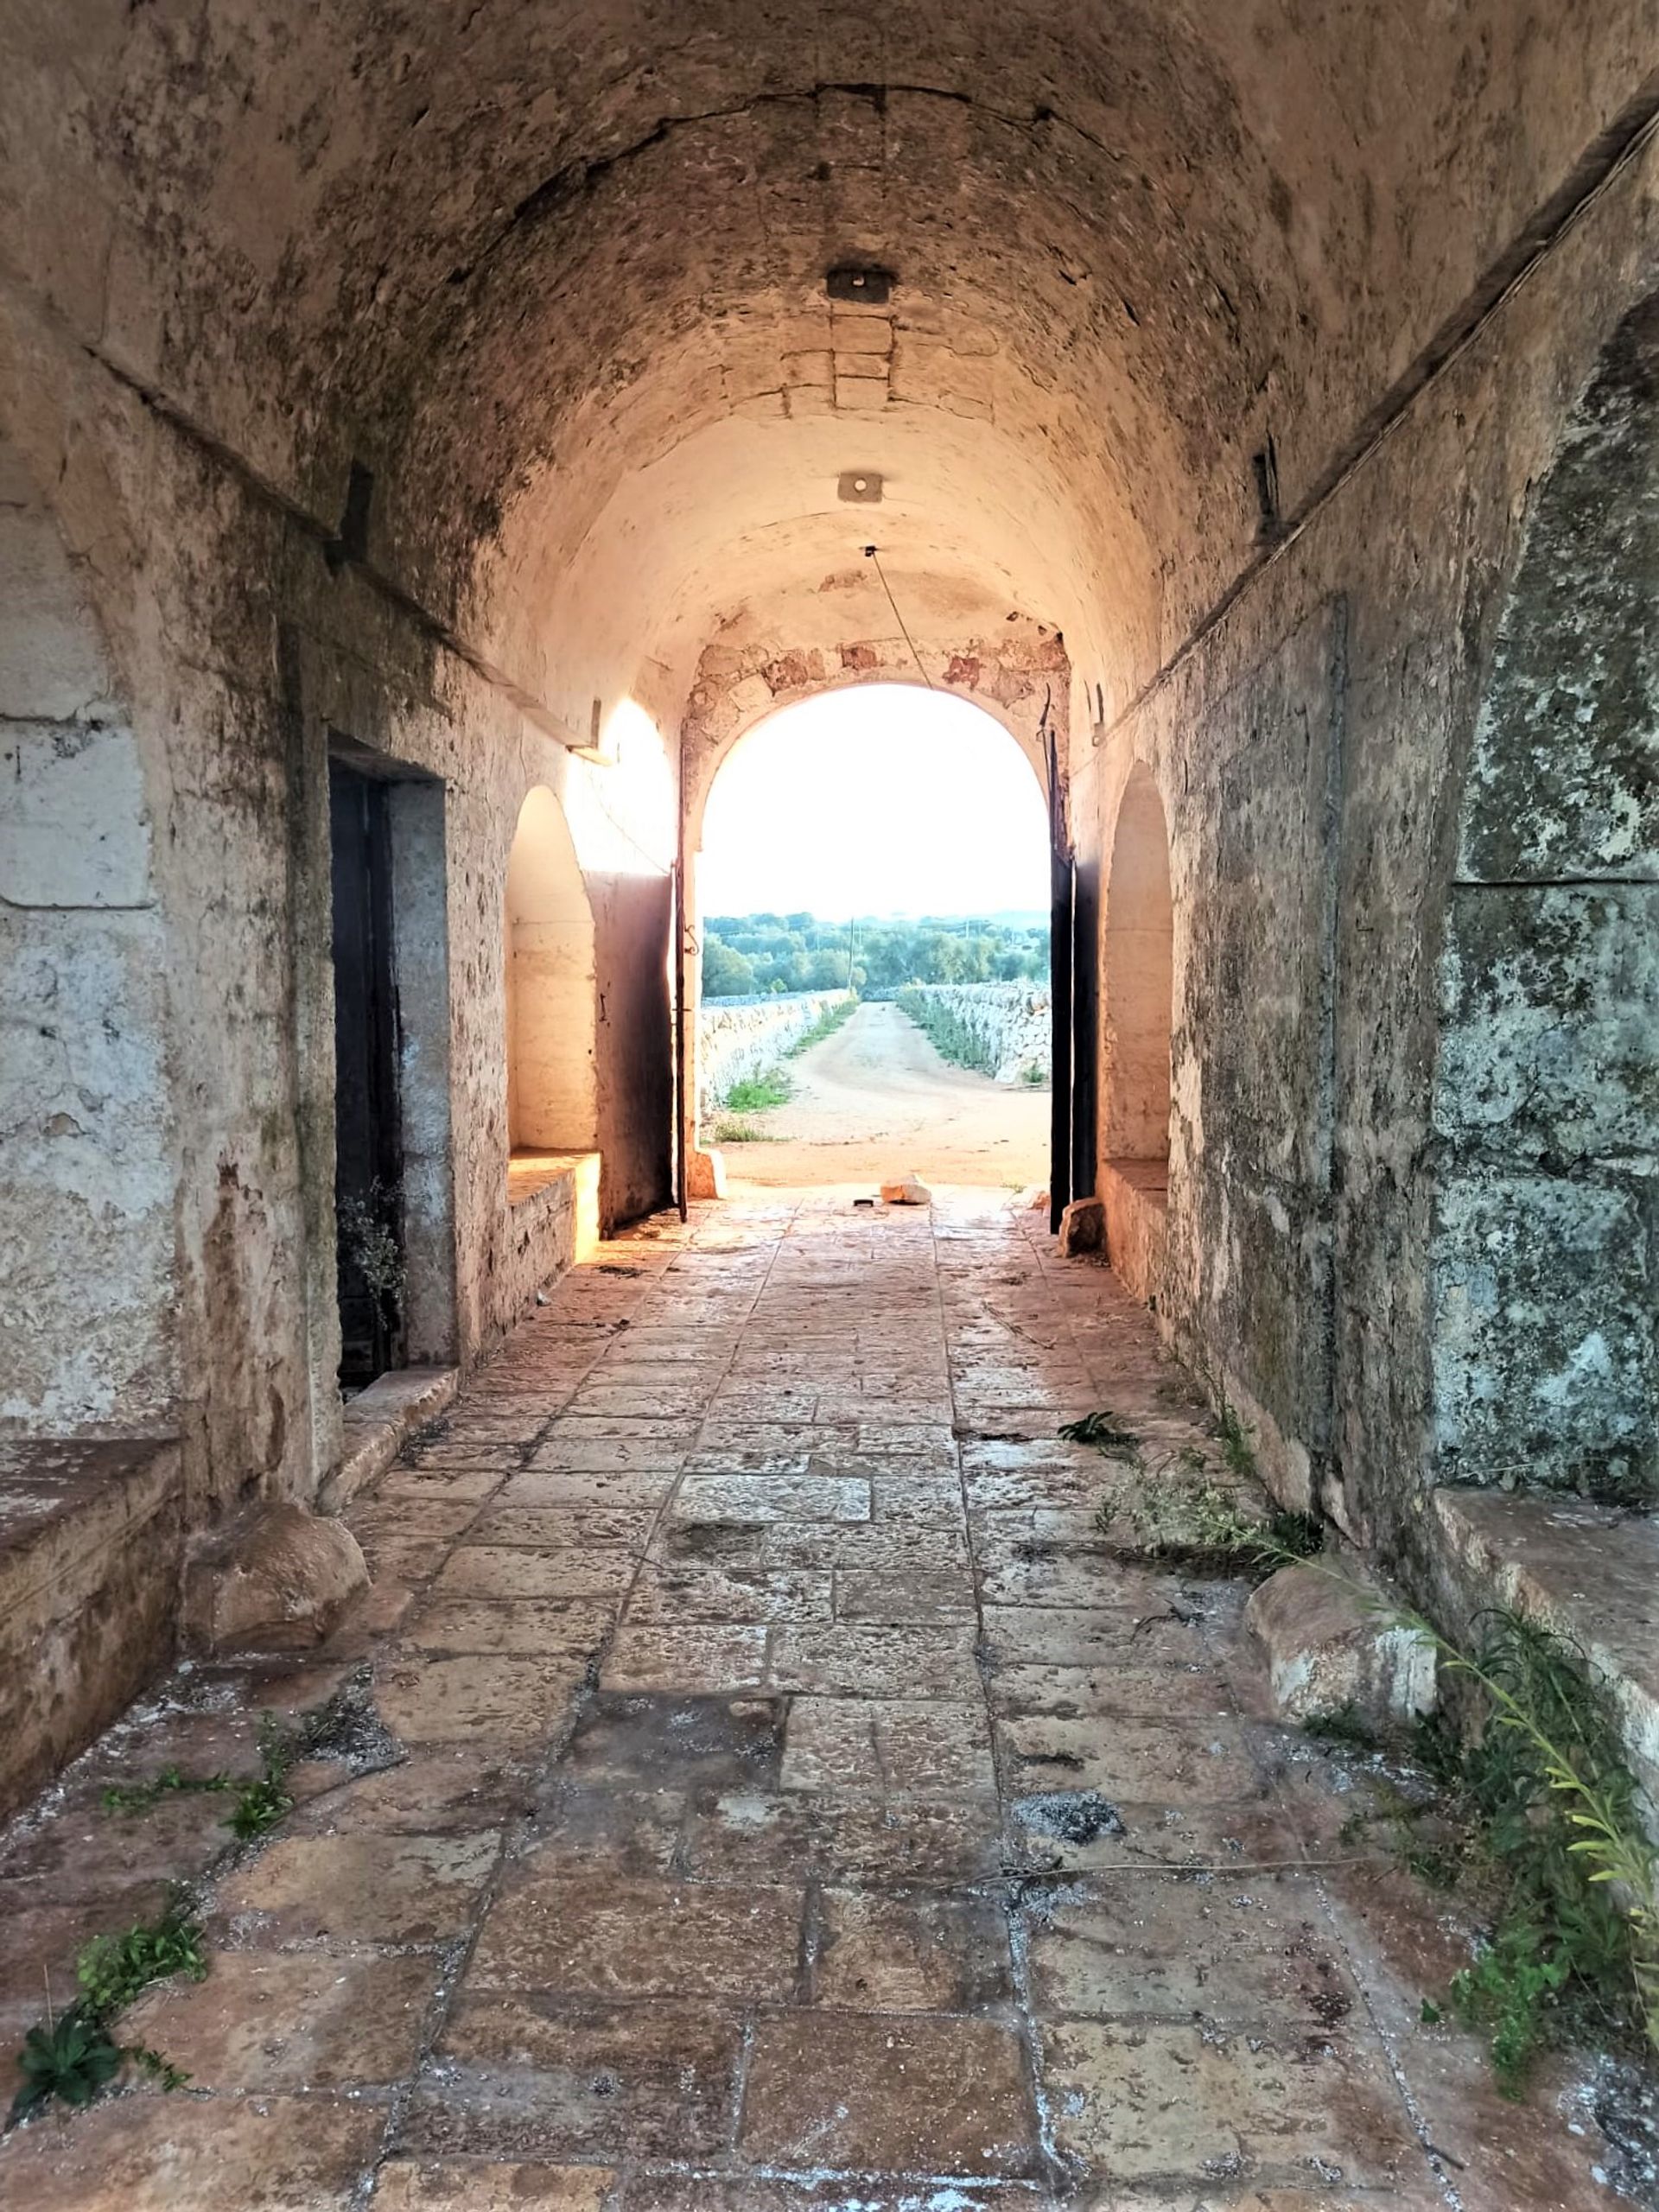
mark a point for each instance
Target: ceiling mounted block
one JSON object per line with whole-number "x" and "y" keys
{"x": 860, "y": 487}
{"x": 868, "y": 287}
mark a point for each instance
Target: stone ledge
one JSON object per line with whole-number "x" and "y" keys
{"x": 91, "y": 1536}
{"x": 1589, "y": 1572}
{"x": 377, "y": 1423}
{"x": 1134, "y": 1194}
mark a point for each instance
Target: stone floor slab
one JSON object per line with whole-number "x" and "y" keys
{"x": 923, "y": 2096}
{"x": 268, "y": 2022}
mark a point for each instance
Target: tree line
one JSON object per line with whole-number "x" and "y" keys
{"x": 747, "y": 956}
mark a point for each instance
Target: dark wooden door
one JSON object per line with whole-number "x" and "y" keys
{"x": 1085, "y": 1017}
{"x": 368, "y": 1137}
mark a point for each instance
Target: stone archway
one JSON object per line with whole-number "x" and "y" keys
{"x": 1546, "y": 1121}
{"x": 1020, "y": 676}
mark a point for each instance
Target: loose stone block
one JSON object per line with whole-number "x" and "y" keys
{"x": 1330, "y": 1644}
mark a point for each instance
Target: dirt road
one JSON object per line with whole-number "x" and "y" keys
{"x": 876, "y": 1098}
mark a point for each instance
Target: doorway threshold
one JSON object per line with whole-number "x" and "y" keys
{"x": 378, "y": 1422}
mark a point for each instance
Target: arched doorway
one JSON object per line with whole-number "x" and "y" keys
{"x": 1137, "y": 962}
{"x": 1546, "y": 1122}
{"x": 874, "y": 855}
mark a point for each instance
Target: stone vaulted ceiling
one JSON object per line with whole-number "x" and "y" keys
{"x": 555, "y": 274}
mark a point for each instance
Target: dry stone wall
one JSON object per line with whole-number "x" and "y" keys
{"x": 1013, "y": 1022}
{"x": 739, "y": 1037}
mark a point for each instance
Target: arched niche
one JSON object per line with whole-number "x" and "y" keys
{"x": 87, "y": 1177}
{"x": 552, "y": 1092}
{"x": 1546, "y": 1114}
{"x": 1138, "y": 968}
{"x": 1137, "y": 991}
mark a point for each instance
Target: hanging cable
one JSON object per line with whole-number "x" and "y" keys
{"x": 870, "y": 554}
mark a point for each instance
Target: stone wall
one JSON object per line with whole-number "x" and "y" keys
{"x": 1312, "y": 745}
{"x": 1013, "y": 1022}
{"x": 740, "y": 1038}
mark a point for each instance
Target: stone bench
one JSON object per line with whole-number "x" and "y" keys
{"x": 91, "y": 1536}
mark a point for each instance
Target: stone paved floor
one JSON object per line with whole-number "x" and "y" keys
{"x": 796, "y": 1805}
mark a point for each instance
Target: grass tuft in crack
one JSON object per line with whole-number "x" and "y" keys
{"x": 1203, "y": 1527}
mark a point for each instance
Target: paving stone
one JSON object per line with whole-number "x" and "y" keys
{"x": 611, "y": 1937}
{"x": 154, "y": 2153}
{"x": 911, "y": 1954}
{"x": 358, "y": 1889}
{"x": 710, "y": 1593}
{"x": 1172, "y": 1762}
{"x": 535, "y": 2073}
{"x": 614, "y": 1489}
{"x": 762, "y": 1837}
{"x": 720, "y": 1661}
{"x": 455, "y": 1787}
{"x": 887, "y": 1745}
{"x": 510, "y": 1571}
{"x": 605, "y": 1454}
{"x": 566, "y": 1626}
{"x": 489, "y": 2185}
{"x": 863, "y": 1661}
{"x": 828, "y": 2089}
{"x": 672, "y": 1742}
{"x": 1072, "y": 1693}
{"x": 581, "y": 1829}
{"x": 892, "y": 1595}
{"x": 1254, "y": 1948}
{"x": 1137, "y": 2102}
{"x": 564, "y": 1528}
{"x": 679, "y": 2190}
{"x": 450, "y": 1484}
{"x": 269, "y": 2021}
{"x": 739, "y": 1500}
{"x": 502, "y": 1699}
{"x": 1018, "y": 1636}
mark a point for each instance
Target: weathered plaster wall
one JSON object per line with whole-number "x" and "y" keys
{"x": 1546, "y": 1121}
{"x": 740, "y": 1038}
{"x": 1013, "y": 1023}
{"x": 245, "y": 653}
{"x": 1311, "y": 750}
{"x": 86, "y": 1185}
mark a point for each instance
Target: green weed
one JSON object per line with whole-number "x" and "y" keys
{"x": 756, "y": 1093}
{"x": 113, "y": 1969}
{"x": 1533, "y": 1810}
{"x": 1102, "y": 1429}
{"x": 142, "y": 1796}
{"x": 828, "y": 1022}
{"x": 72, "y": 2057}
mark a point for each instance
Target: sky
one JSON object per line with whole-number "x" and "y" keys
{"x": 882, "y": 799}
